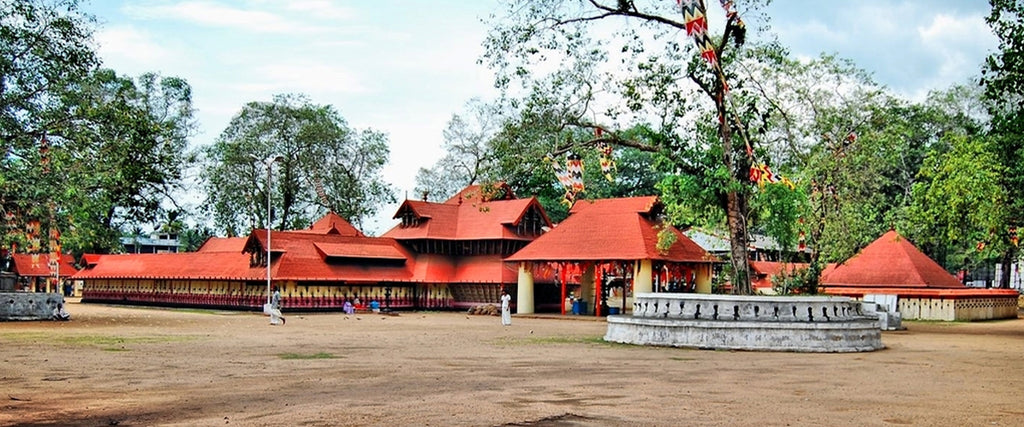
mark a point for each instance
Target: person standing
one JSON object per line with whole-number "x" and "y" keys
{"x": 506, "y": 308}
{"x": 275, "y": 308}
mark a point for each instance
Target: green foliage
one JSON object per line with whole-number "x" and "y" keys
{"x": 797, "y": 281}
{"x": 317, "y": 149}
{"x": 302, "y": 356}
{"x": 960, "y": 200}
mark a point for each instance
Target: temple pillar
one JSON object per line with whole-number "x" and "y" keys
{"x": 524, "y": 294}
{"x": 702, "y": 275}
{"x": 587, "y": 288}
{"x": 644, "y": 278}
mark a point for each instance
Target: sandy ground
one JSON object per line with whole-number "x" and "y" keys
{"x": 142, "y": 366}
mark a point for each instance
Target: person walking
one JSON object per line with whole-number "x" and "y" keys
{"x": 506, "y": 308}
{"x": 275, "y": 308}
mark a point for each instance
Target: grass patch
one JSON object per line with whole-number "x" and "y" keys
{"x": 595, "y": 340}
{"x": 300, "y": 356}
{"x": 105, "y": 341}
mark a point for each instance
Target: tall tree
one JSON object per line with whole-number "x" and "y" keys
{"x": 639, "y": 71}
{"x": 467, "y": 157}
{"x": 44, "y": 46}
{"x": 127, "y": 150}
{"x": 324, "y": 166}
{"x": 1003, "y": 78}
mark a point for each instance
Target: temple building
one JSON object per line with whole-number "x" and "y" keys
{"x": 34, "y": 272}
{"x": 607, "y": 250}
{"x": 445, "y": 255}
{"x": 892, "y": 265}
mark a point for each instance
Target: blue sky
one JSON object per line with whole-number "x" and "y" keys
{"x": 404, "y": 66}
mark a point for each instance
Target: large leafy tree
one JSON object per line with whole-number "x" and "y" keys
{"x": 87, "y": 152}
{"x": 321, "y": 165}
{"x": 1003, "y": 79}
{"x": 467, "y": 157}
{"x": 44, "y": 46}
{"x": 130, "y": 152}
{"x": 640, "y": 72}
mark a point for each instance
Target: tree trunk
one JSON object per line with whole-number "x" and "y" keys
{"x": 738, "y": 244}
{"x": 736, "y": 205}
{"x": 1006, "y": 268}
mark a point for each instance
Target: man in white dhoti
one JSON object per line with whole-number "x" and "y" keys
{"x": 275, "y": 308}
{"x": 506, "y": 308}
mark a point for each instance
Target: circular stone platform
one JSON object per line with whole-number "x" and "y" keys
{"x": 763, "y": 323}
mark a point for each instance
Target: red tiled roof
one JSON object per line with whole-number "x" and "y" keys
{"x": 611, "y": 229}
{"x": 184, "y": 265}
{"x": 90, "y": 259}
{"x": 300, "y": 258}
{"x": 304, "y": 255}
{"x": 358, "y": 250}
{"x": 469, "y": 220}
{"x": 763, "y": 271}
{"x": 223, "y": 244}
{"x": 333, "y": 223}
{"x": 25, "y": 265}
{"x": 948, "y": 293}
{"x": 891, "y": 261}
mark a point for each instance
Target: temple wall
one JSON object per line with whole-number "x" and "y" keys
{"x": 959, "y": 309}
{"x": 251, "y": 295}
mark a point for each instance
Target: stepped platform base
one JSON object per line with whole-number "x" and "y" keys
{"x": 757, "y": 323}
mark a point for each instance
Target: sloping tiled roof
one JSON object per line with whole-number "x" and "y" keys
{"x": 301, "y": 255}
{"x": 24, "y": 265}
{"x": 223, "y": 244}
{"x": 333, "y": 223}
{"x": 611, "y": 229}
{"x": 182, "y": 265}
{"x": 358, "y": 250}
{"x": 307, "y": 255}
{"x": 465, "y": 217}
{"x": 891, "y": 261}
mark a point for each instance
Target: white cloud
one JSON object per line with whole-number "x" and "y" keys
{"x": 321, "y": 8}
{"x": 215, "y": 15}
{"x": 121, "y": 45}
{"x": 301, "y": 77}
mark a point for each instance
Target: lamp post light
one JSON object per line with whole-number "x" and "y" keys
{"x": 270, "y": 163}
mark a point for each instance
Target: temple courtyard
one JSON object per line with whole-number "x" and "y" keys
{"x": 130, "y": 366}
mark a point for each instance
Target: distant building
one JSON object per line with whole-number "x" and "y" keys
{"x": 163, "y": 243}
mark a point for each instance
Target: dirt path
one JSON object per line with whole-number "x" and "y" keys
{"x": 136, "y": 366}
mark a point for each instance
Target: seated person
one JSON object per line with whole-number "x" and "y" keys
{"x": 60, "y": 314}
{"x": 348, "y": 308}
{"x": 375, "y": 306}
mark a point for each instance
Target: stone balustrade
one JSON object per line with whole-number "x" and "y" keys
{"x": 762, "y": 323}
{"x": 746, "y": 308}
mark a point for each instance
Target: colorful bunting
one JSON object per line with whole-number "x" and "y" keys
{"x": 570, "y": 176}
{"x": 696, "y": 21}
{"x": 574, "y": 164}
{"x": 1014, "y": 239}
{"x": 607, "y": 162}
{"x": 762, "y": 175}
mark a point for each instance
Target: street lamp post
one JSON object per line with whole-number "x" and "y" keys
{"x": 270, "y": 163}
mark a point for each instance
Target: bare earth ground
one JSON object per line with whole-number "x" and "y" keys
{"x": 140, "y": 366}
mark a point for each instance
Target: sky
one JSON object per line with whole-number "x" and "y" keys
{"x": 404, "y": 67}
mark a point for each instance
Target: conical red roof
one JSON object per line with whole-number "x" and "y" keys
{"x": 611, "y": 229}
{"x": 891, "y": 262}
